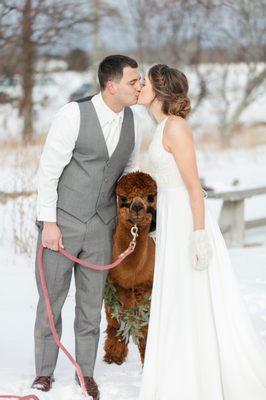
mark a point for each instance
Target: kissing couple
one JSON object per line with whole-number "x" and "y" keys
{"x": 201, "y": 343}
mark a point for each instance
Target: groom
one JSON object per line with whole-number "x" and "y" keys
{"x": 90, "y": 144}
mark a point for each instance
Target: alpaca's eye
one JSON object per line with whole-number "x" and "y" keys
{"x": 123, "y": 199}
{"x": 150, "y": 198}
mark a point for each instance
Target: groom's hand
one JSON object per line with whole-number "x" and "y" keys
{"x": 51, "y": 236}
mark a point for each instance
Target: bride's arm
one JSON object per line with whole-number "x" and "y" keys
{"x": 178, "y": 140}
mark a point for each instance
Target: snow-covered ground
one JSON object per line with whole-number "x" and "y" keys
{"x": 18, "y": 294}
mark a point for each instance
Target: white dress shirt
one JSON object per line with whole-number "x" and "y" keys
{"x": 60, "y": 143}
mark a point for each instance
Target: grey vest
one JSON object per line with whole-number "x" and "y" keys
{"x": 86, "y": 185}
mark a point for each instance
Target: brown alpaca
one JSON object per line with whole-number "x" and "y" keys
{"x": 132, "y": 279}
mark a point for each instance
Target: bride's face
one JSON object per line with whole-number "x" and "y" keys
{"x": 146, "y": 95}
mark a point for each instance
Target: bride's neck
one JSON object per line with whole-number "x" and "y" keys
{"x": 156, "y": 110}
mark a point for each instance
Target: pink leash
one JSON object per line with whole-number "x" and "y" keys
{"x": 84, "y": 263}
{"x": 30, "y": 397}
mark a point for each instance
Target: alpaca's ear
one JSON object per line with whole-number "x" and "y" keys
{"x": 153, "y": 222}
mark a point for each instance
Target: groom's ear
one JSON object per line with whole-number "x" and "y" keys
{"x": 153, "y": 222}
{"x": 110, "y": 87}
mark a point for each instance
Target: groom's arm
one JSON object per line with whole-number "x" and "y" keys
{"x": 56, "y": 155}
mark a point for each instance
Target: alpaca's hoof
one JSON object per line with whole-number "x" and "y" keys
{"x": 108, "y": 360}
{"x": 111, "y": 360}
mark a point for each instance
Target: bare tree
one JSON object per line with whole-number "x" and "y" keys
{"x": 172, "y": 32}
{"x": 144, "y": 15}
{"x": 31, "y": 26}
{"x": 194, "y": 32}
{"x": 244, "y": 39}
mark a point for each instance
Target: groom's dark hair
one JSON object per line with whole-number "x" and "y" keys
{"x": 111, "y": 68}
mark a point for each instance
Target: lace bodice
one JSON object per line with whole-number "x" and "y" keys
{"x": 162, "y": 165}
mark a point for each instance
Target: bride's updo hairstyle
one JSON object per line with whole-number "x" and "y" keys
{"x": 171, "y": 87}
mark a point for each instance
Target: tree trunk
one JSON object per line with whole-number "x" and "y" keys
{"x": 27, "y": 71}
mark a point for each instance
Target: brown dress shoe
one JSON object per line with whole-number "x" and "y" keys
{"x": 91, "y": 387}
{"x": 43, "y": 383}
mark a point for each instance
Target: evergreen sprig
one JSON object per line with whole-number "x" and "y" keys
{"x": 130, "y": 320}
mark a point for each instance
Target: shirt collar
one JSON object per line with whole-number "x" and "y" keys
{"x": 105, "y": 114}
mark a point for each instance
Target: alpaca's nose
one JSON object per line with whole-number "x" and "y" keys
{"x": 137, "y": 207}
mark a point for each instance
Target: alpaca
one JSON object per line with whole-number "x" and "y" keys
{"x": 129, "y": 285}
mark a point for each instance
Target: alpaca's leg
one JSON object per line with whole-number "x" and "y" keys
{"x": 116, "y": 349}
{"x": 142, "y": 343}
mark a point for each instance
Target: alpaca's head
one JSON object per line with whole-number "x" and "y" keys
{"x": 137, "y": 195}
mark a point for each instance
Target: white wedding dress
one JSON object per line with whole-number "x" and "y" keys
{"x": 201, "y": 342}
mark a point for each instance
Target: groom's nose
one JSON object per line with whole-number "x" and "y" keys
{"x": 138, "y": 86}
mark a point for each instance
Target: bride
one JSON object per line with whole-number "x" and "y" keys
{"x": 201, "y": 343}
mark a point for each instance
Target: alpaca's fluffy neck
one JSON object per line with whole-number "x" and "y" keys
{"x": 123, "y": 237}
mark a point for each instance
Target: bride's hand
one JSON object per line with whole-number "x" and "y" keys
{"x": 200, "y": 249}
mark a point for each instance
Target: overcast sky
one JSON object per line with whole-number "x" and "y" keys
{"x": 112, "y": 34}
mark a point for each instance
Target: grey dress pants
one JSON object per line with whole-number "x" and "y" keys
{"x": 91, "y": 241}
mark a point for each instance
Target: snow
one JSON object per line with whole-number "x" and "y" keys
{"x": 18, "y": 293}
{"x": 220, "y": 168}
{"x": 48, "y": 99}
{"x": 18, "y": 296}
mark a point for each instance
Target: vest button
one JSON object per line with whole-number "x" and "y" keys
{"x": 108, "y": 164}
{"x": 105, "y": 179}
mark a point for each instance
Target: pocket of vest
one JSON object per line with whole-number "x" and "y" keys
{"x": 63, "y": 215}
{"x": 113, "y": 221}
{"x": 63, "y": 185}
{"x": 74, "y": 203}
